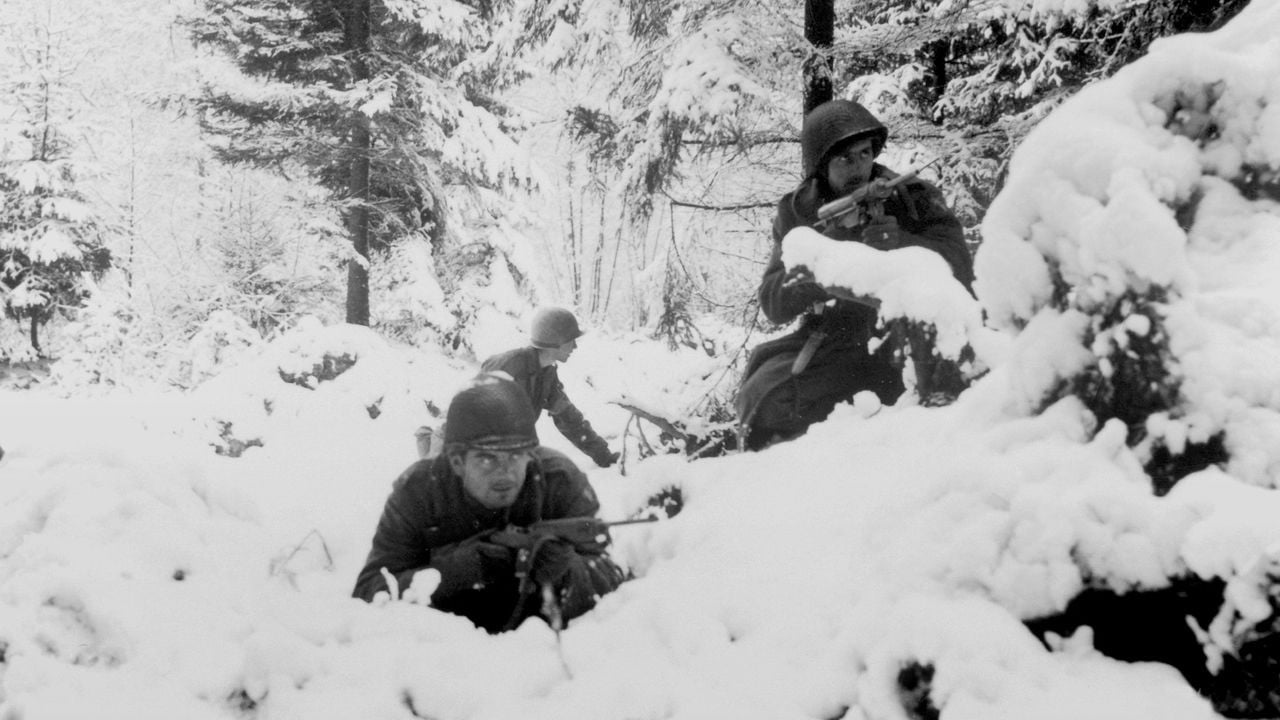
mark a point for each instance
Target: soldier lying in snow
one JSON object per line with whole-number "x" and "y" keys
{"x": 471, "y": 514}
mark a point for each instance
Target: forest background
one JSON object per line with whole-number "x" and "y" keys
{"x": 184, "y": 180}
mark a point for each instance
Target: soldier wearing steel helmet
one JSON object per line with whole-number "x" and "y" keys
{"x": 553, "y": 336}
{"x": 838, "y": 350}
{"x": 455, "y": 513}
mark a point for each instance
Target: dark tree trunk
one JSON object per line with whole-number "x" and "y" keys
{"x": 357, "y": 40}
{"x": 358, "y": 226}
{"x": 819, "y": 30}
{"x": 35, "y": 336}
{"x": 938, "y": 65}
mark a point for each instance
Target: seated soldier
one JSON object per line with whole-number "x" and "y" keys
{"x": 553, "y": 337}
{"x": 839, "y": 349}
{"x": 461, "y": 514}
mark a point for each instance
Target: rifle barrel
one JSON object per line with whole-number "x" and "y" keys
{"x": 632, "y": 521}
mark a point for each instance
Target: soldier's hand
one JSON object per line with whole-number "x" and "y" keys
{"x": 884, "y": 234}
{"x": 799, "y": 281}
{"x": 607, "y": 458}
{"x": 553, "y": 563}
{"x": 471, "y": 563}
{"x": 797, "y": 275}
{"x": 844, "y": 294}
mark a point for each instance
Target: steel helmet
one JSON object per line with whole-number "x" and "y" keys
{"x": 553, "y": 327}
{"x": 833, "y": 123}
{"x": 493, "y": 413}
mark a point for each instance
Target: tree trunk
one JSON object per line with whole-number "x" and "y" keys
{"x": 819, "y": 30}
{"x": 938, "y": 65}
{"x": 358, "y": 225}
{"x": 575, "y": 231}
{"x": 35, "y": 337}
{"x": 357, "y": 41}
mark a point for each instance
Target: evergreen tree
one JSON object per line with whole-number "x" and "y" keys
{"x": 387, "y": 104}
{"x": 692, "y": 114}
{"x": 713, "y": 83}
{"x": 701, "y": 121}
{"x": 967, "y": 80}
{"x": 263, "y": 276}
{"x": 699, "y": 132}
{"x": 51, "y": 240}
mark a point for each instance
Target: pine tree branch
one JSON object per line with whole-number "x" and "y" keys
{"x": 718, "y": 208}
{"x": 764, "y": 140}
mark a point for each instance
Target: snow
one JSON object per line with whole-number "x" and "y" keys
{"x": 910, "y": 282}
{"x": 143, "y": 575}
{"x": 1131, "y": 186}
{"x": 704, "y": 80}
{"x": 773, "y": 594}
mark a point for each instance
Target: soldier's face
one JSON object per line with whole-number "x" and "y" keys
{"x": 850, "y": 168}
{"x": 492, "y": 477}
{"x": 564, "y": 351}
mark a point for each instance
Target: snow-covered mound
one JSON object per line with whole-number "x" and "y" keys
{"x": 1143, "y": 218}
{"x": 143, "y": 575}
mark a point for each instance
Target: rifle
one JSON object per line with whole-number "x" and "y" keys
{"x": 866, "y": 203}
{"x": 580, "y": 529}
{"x": 587, "y": 532}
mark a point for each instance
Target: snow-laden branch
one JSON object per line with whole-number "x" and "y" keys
{"x": 911, "y": 283}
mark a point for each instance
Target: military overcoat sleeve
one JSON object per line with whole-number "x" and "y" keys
{"x": 400, "y": 544}
{"x": 571, "y": 423}
{"x": 779, "y": 301}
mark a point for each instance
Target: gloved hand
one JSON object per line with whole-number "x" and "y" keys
{"x": 471, "y": 564}
{"x": 565, "y": 578}
{"x": 553, "y": 563}
{"x": 799, "y": 284}
{"x": 883, "y": 234}
{"x": 607, "y": 459}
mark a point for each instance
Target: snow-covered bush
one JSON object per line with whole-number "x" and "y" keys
{"x": 1132, "y": 256}
{"x": 105, "y": 346}
{"x": 1168, "y": 181}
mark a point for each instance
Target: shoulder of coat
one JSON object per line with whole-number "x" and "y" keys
{"x": 555, "y": 464}
{"x": 802, "y": 202}
{"x": 416, "y": 474}
{"x": 506, "y": 357}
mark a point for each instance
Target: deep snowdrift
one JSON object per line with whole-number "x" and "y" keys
{"x": 141, "y": 575}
